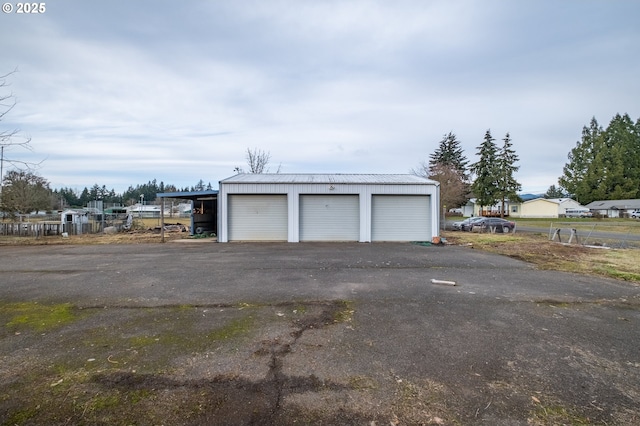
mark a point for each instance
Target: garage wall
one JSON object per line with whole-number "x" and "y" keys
{"x": 257, "y": 217}
{"x": 329, "y": 217}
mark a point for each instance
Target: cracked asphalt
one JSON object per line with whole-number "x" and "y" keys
{"x": 314, "y": 333}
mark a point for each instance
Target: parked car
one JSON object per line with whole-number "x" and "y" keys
{"x": 578, "y": 213}
{"x": 465, "y": 225}
{"x": 635, "y": 214}
{"x": 494, "y": 222}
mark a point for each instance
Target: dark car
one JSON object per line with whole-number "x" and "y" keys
{"x": 465, "y": 225}
{"x": 493, "y": 224}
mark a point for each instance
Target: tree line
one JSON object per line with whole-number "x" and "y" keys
{"x": 133, "y": 194}
{"x": 490, "y": 180}
{"x": 604, "y": 165}
{"x": 24, "y": 192}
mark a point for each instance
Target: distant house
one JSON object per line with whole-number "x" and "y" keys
{"x": 614, "y": 208}
{"x": 537, "y": 207}
{"x": 531, "y": 206}
{"x": 528, "y": 197}
{"x": 144, "y": 210}
{"x": 472, "y": 208}
{"x": 565, "y": 204}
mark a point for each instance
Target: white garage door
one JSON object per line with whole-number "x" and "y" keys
{"x": 400, "y": 218}
{"x": 257, "y": 217}
{"x": 329, "y": 218}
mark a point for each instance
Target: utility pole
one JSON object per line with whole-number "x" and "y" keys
{"x": 1, "y": 166}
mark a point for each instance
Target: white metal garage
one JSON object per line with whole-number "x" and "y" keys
{"x": 329, "y": 217}
{"x": 400, "y": 218}
{"x": 257, "y": 217}
{"x": 327, "y": 207}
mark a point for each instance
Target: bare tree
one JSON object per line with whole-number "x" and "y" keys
{"x": 454, "y": 190}
{"x": 257, "y": 160}
{"x": 11, "y": 138}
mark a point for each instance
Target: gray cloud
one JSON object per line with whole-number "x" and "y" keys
{"x": 117, "y": 93}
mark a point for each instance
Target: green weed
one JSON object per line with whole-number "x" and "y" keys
{"x": 37, "y": 317}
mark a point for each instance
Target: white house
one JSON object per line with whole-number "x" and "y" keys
{"x": 614, "y": 208}
{"x": 144, "y": 210}
{"x": 565, "y": 204}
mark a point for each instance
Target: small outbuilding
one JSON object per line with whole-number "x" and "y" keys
{"x": 328, "y": 207}
{"x": 74, "y": 220}
{"x": 203, "y": 208}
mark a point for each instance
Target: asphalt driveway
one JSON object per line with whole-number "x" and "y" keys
{"x": 318, "y": 333}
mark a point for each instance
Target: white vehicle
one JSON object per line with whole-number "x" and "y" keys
{"x": 635, "y": 214}
{"x": 578, "y": 213}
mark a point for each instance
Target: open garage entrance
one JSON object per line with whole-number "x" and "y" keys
{"x": 204, "y": 210}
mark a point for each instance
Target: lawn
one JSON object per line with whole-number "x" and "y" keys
{"x": 537, "y": 249}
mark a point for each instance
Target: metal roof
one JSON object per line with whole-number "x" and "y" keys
{"x": 614, "y": 204}
{"x": 189, "y": 195}
{"x": 380, "y": 179}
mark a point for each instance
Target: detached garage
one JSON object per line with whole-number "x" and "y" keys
{"x": 327, "y": 207}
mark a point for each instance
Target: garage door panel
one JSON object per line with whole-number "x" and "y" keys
{"x": 257, "y": 217}
{"x": 329, "y": 218}
{"x": 401, "y": 218}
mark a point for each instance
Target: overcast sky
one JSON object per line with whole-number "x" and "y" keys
{"x": 121, "y": 92}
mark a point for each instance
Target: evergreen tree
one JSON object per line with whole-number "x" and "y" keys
{"x": 199, "y": 186}
{"x": 84, "y": 197}
{"x": 449, "y": 153}
{"x": 448, "y": 165}
{"x": 580, "y": 160}
{"x": 507, "y": 185}
{"x": 621, "y": 145}
{"x": 485, "y": 186}
{"x": 605, "y": 164}
{"x": 554, "y": 192}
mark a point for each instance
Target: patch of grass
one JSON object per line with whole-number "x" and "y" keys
{"x": 345, "y": 311}
{"x": 423, "y": 402}
{"x": 545, "y": 254}
{"x": 232, "y": 329}
{"x": 37, "y": 317}
{"x": 102, "y": 402}
{"x": 300, "y": 309}
{"x": 615, "y": 273}
{"x": 543, "y": 415}
{"x": 142, "y": 341}
{"x": 361, "y": 383}
{"x": 22, "y": 416}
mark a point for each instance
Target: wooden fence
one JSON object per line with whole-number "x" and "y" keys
{"x": 45, "y": 228}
